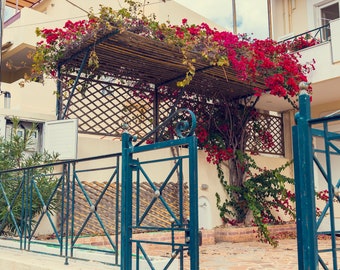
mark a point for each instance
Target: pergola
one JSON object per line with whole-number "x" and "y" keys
{"x": 133, "y": 69}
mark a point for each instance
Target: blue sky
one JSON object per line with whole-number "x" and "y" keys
{"x": 251, "y": 14}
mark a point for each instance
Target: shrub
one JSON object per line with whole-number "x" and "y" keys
{"x": 22, "y": 188}
{"x": 264, "y": 192}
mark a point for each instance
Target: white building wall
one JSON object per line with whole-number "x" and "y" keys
{"x": 293, "y": 17}
{"x": 335, "y": 41}
{"x": 23, "y": 29}
{"x": 165, "y": 11}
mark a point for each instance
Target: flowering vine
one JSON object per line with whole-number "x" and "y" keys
{"x": 264, "y": 194}
{"x": 222, "y": 123}
{"x": 302, "y": 42}
{"x": 252, "y": 60}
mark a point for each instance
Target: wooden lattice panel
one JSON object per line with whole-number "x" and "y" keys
{"x": 273, "y": 125}
{"x": 103, "y": 107}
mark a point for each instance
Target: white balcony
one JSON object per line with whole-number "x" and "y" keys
{"x": 20, "y": 31}
{"x": 31, "y": 102}
{"x": 325, "y": 78}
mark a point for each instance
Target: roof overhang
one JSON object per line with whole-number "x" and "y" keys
{"x": 15, "y": 63}
{"x": 19, "y": 4}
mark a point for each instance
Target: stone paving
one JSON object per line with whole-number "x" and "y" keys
{"x": 220, "y": 256}
{"x": 256, "y": 256}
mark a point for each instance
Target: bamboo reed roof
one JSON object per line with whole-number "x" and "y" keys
{"x": 130, "y": 55}
{"x": 101, "y": 106}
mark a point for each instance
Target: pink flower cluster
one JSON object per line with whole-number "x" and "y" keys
{"x": 302, "y": 42}
{"x": 251, "y": 60}
{"x": 71, "y": 32}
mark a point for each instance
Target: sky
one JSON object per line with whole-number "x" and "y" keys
{"x": 252, "y": 15}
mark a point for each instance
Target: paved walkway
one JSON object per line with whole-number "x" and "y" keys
{"x": 221, "y": 256}
{"x": 256, "y": 256}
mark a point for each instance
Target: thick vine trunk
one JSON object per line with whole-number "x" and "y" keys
{"x": 236, "y": 174}
{"x": 236, "y": 178}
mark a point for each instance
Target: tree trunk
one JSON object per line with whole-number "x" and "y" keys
{"x": 236, "y": 174}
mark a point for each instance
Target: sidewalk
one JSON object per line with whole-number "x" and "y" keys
{"x": 220, "y": 256}
{"x": 256, "y": 256}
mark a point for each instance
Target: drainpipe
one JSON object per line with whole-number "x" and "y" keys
{"x": 234, "y": 18}
{"x": 289, "y": 16}
{"x": 7, "y": 100}
{"x": 2, "y": 12}
{"x": 284, "y": 17}
{"x": 270, "y": 22}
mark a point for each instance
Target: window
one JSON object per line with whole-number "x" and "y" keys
{"x": 327, "y": 12}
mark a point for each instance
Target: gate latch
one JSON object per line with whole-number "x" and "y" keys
{"x": 187, "y": 234}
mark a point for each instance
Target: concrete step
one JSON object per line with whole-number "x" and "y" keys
{"x": 12, "y": 258}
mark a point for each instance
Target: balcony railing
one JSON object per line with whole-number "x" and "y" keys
{"x": 316, "y": 36}
{"x": 322, "y": 34}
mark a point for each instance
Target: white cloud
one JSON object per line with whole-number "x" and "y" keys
{"x": 251, "y": 14}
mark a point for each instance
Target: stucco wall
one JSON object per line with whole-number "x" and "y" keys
{"x": 208, "y": 182}
{"x": 289, "y": 17}
{"x": 165, "y": 11}
{"x": 30, "y": 103}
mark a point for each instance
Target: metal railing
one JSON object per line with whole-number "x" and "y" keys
{"x": 87, "y": 197}
{"x": 320, "y": 35}
{"x": 316, "y": 152}
{"x": 55, "y": 194}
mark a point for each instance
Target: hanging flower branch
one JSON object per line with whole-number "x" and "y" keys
{"x": 250, "y": 59}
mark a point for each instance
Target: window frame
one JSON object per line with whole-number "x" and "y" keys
{"x": 321, "y": 5}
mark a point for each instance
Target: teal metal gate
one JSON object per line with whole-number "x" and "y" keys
{"x": 181, "y": 225}
{"x": 113, "y": 210}
{"x": 310, "y": 160}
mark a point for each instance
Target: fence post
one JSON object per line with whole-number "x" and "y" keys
{"x": 126, "y": 214}
{"x": 25, "y": 206}
{"x": 66, "y": 173}
{"x": 193, "y": 178}
{"x": 304, "y": 187}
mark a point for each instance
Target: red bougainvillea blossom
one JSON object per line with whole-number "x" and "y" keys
{"x": 251, "y": 60}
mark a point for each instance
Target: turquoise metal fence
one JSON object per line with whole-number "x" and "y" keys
{"x": 21, "y": 194}
{"x": 310, "y": 160}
